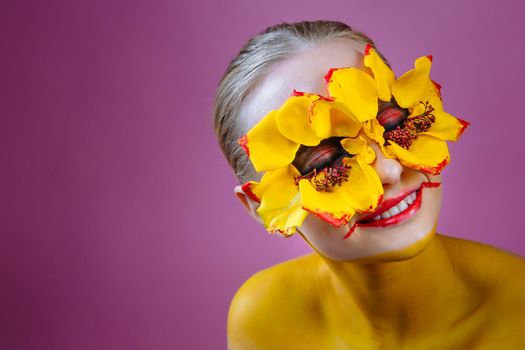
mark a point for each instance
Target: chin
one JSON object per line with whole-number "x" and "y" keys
{"x": 398, "y": 240}
{"x": 405, "y": 253}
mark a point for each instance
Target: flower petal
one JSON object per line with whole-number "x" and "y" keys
{"x": 356, "y": 89}
{"x": 446, "y": 127}
{"x": 383, "y": 75}
{"x": 247, "y": 187}
{"x": 429, "y": 94}
{"x": 330, "y": 118}
{"x": 369, "y": 197}
{"x": 293, "y": 119}
{"x": 280, "y": 208}
{"x": 360, "y": 148}
{"x": 375, "y": 131}
{"x": 464, "y": 126}
{"x": 360, "y": 193}
{"x": 267, "y": 147}
{"x": 426, "y": 153}
{"x": 412, "y": 86}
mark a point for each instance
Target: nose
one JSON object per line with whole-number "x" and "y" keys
{"x": 389, "y": 170}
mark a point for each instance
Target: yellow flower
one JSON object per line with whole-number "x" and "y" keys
{"x": 412, "y": 127}
{"x": 404, "y": 116}
{"x": 335, "y": 189}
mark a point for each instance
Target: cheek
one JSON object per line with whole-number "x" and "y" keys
{"x": 438, "y": 192}
{"x": 327, "y": 240}
{"x": 312, "y": 226}
{"x": 437, "y": 200}
{"x": 321, "y": 236}
{"x": 434, "y": 178}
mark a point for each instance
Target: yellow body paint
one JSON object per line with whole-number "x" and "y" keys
{"x": 455, "y": 294}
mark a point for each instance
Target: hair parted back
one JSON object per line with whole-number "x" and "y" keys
{"x": 258, "y": 56}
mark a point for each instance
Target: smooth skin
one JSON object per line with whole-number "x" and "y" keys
{"x": 397, "y": 287}
{"x": 456, "y": 294}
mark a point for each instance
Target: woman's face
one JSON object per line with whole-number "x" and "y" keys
{"x": 404, "y": 223}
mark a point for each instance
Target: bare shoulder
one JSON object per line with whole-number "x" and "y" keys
{"x": 478, "y": 260}
{"x": 499, "y": 277}
{"x": 273, "y": 304}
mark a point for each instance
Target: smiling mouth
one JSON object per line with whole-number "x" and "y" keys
{"x": 395, "y": 210}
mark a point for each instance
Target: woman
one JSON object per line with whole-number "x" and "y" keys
{"x": 364, "y": 192}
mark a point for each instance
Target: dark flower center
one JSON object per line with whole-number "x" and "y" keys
{"x": 323, "y": 164}
{"x": 326, "y": 179}
{"x": 405, "y": 133}
{"x": 390, "y": 115}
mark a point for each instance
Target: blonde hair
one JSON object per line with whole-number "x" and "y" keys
{"x": 258, "y": 56}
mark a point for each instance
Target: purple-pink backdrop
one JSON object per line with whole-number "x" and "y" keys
{"x": 118, "y": 225}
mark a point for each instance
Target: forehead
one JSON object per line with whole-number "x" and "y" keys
{"x": 304, "y": 72}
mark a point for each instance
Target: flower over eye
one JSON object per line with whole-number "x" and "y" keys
{"x": 314, "y": 149}
{"x": 353, "y": 185}
{"x": 314, "y": 161}
{"x": 412, "y": 126}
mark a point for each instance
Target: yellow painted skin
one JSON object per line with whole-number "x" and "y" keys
{"x": 455, "y": 294}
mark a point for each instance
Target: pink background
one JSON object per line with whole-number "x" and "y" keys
{"x": 118, "y": 225}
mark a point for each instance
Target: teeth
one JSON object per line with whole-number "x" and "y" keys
{"x": 403, "y": 205}
{"x": 394, "y": 210}
{"x": 399, "y": 208}
{"x": 385, "y": 215}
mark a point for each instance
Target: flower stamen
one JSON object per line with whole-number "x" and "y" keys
{"x": 326, "y": 179}
{"x": 406, "y": 133}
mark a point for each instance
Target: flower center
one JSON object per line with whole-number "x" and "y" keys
{"x": 406, "y": 133}
{"x": 326, "y": 179}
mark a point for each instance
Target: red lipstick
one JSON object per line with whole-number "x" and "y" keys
{"x": 389, "y": 203}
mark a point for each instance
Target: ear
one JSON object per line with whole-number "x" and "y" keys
{"x": 248, "y": 203}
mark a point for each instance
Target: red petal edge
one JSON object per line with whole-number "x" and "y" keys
{"x": 283, "y": 234}
{"x": 296, "y": 93}
{"x": 329, "y": 218}
{"x": 328, "y": 76}
{"x": 429, "y": 57}
{"x": 368, "y": 47}
{"x": 438, "y": 87}
{"x": 243, "y": 142}
{"x": 435, "y": 170}
{"x": 248, "y": 190}
{"x": 372, "y": 207}
{"x": 464, "y": 125}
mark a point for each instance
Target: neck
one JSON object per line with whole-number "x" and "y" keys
{"x": 401, "y": 296}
